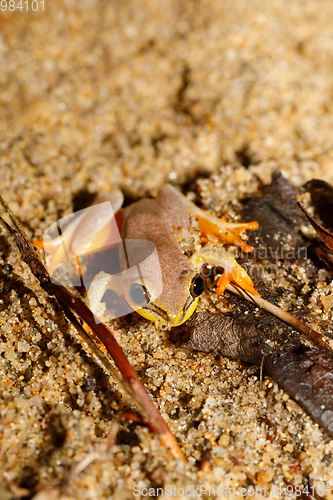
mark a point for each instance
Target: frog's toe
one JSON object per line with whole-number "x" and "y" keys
{"x": 237, "y": 275}
{"x": 229, "y": 233}
{"x": 222, "y": 284}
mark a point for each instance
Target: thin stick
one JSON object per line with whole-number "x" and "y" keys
{"x": 283, "y": 315}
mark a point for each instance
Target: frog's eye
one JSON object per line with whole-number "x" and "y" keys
{"x": 197, "y": 286}
{"x": 139, "y": 295}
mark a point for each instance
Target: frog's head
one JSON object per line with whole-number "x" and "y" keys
{"x": 176, "y": 301}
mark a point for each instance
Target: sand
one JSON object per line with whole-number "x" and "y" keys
{"x": 98, "y": 95}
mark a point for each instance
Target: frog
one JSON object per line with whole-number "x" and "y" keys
{"x": 165, "y": 221}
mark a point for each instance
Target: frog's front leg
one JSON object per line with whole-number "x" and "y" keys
{"x": 232, "y": 270}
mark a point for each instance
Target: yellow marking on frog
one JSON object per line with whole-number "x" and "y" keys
{"x": 165, "y": 221}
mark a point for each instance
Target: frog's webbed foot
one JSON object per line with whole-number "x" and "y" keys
{"x": 102, "y": 282}
{"x": 214, "y": 229}
{"x": 233, "y": 272}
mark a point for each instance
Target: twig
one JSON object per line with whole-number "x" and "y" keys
{"x": 283, "y": 315}
{"x": 325, "y": 235}
{"x": 60, "y": 490}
